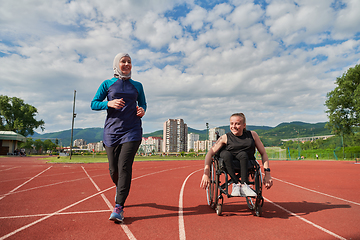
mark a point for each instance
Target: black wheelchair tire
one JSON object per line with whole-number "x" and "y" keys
{"x": 219, "y": 206}
{"x": 258, "y": 188}
{"x": 250, "y": 203}
{"x": 212, "y": 190}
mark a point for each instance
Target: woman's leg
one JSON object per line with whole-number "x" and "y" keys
{"x": 228, "y": 157}
{"x": 243, "y": 158}
{"x": 125, "y": 162}
{"x": 113, "y": 157}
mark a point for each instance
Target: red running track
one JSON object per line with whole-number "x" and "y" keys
{"x": 309, "y": 200}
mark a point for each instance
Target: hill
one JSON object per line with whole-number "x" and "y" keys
{"x": 271, "y": 136}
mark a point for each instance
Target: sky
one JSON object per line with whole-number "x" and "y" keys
{"x": 199, "y": 60}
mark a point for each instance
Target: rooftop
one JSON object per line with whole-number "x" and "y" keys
{"x": 9, "y": 135}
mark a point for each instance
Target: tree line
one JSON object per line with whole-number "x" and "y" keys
{"x": 39, "y": 145}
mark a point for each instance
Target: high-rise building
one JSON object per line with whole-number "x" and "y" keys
{"x": 175, "y": 136}
{"x": 192, "y": 138}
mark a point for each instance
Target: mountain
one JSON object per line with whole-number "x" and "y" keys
{"x": 271, "y": 136}
{"x": 88, "y": 134}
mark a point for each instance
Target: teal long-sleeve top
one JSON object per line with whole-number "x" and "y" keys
{"x": 121, "y": 125}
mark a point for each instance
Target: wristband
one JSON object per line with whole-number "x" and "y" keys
{"x": 266, "y": 169}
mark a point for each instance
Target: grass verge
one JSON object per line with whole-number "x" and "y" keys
{"x": 103, "y": 158}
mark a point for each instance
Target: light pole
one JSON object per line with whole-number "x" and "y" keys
{"x": 72, "y": 125}
{"x": 298, "y": 145}
{"x": 207, "y": 137}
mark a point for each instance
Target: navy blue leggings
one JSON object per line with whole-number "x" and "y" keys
{"x": 121, "y": 159}
{"x": 243, "y": 158}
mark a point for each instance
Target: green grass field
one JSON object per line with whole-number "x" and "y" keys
{"x": 103, "y": 158}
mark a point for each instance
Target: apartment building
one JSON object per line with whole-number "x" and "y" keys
{"x": 151, "y": 145}
{"x": 79, "y": 142}
{"x": 213, "y": 131}
{"x": 175, "y": 133}
{"x": 192, "y": 138}
{"x": 203, "y": 146}
{"x": 97, "y": 146}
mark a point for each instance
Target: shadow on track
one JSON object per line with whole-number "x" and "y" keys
{"x": 173, "y": 211}
{"x": 299, "y": 208}
{"x": 236, "y": 209}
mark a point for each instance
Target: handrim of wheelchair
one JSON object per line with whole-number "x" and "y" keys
{"x": 217, "y": 190}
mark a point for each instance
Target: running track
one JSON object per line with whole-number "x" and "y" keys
{"x": 309, "y": 200}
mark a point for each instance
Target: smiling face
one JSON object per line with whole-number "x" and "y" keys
{"x": 237, "y": 125}
{"x": 125, "y": 65}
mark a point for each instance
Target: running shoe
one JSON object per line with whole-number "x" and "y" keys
{"x": 246, "y": 191}
{"x": 235, "y": 190}
{"x": 118, "y": 214}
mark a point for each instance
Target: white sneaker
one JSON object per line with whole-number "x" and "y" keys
{"x": 235, "y": 190}
{"x": 246, "y": 191}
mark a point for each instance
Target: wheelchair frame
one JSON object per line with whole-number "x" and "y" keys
{"x": 215, "y": 191}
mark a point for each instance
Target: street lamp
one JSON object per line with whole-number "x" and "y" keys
{"x": 207, "y": 137}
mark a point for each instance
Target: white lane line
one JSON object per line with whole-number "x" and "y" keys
{"x": 46, "y": 214}
{"x": 8, "y": 169}
{"x": 348, "y": 201}
{"x": 182, "y": 234}
{"x": 52, "y": 184}
{"x": 125, "y": 228}
{"x": 52, "y": 214}
{"x": 74, "y": 204}
{"x": 307, "y": 221}
{"x": 23, "y": 184}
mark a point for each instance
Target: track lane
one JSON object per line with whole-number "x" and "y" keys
{"x": 152, "y": 209}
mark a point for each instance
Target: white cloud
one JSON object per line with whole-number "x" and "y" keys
{"x": 347, "y": 20}
{"x": 195, "y": 18}
{"x": 156, "y": 31}
{"x": 246, "y": 15}
{"x": 295, "y": 23}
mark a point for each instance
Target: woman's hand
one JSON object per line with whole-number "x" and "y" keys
{"x": 205, "y": 181}
{"x": 140, "y": 111}
{"x": 116, "y": 103}
{"x": 267, "y": 181}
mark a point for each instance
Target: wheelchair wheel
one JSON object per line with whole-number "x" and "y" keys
{"x": 250, "y": 203}
{"x": 212, "y": 190}
{"x": 258, "y": 210}
{"x": 258, "y": 188}
{"x": 219, "y": 206}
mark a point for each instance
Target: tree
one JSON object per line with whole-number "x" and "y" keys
{"x": 38, "y": 145}
{"x": 343, "y": 103}
{"x": 17, "y": 116}
{"x": 28, "y": 144}
{"x": 49, "y": 145}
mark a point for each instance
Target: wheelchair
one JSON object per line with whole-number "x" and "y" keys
{"x": 217, "y": 189}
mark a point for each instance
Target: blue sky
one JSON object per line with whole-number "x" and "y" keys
{"x": 197, "y": 60}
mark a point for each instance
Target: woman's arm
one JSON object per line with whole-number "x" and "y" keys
{"x": 98, "y": 102}
{"x": 205, "y": 181}
{"x": 265, "y": 159}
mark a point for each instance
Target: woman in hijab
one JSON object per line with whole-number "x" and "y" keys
{"x": 126, "y": 105}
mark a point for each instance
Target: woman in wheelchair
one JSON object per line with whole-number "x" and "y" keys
{"x": 238, "y": 144}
